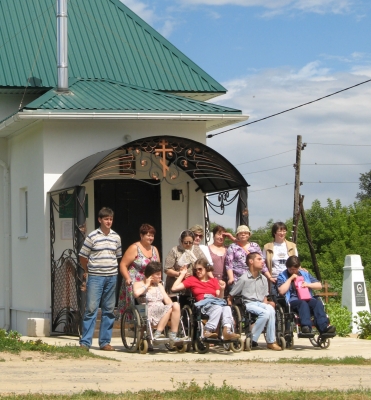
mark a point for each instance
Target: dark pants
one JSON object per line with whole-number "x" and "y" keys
{"x": 305, "y": 307}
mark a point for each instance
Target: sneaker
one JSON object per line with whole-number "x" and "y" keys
{"x": 210, "y": 335}
{"x": 174, "y": 339}
{"x": 273, "y": 346}
{"x": 305, "y": 329}
{"x": 330, "y": 329}
{"x": 255, "y": 345}
{"x": 107, "y": 347}
{"x": 228, "y": 335}
{"x": 158, "y": 335}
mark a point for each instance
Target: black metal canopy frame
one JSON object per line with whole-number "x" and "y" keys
{"x": 160, "y": 158}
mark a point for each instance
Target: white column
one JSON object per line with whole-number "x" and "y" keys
{"x": 354, "y": 295}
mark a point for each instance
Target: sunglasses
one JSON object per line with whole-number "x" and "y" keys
{"x": 199, "y": 269}
{"x": 197, "y": 235}
{"x": 187, "y": 242}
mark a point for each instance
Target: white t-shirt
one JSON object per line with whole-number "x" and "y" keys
{"x": 279, "y": 259}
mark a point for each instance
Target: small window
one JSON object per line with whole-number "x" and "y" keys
{"x": 23, "y": 213}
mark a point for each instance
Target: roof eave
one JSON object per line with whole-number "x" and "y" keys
{"x": 22, "y": 119}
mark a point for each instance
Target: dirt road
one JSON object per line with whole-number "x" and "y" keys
{"x": 32, "y": 372}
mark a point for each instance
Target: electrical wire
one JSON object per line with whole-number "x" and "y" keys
{"x": 290, "y": 109}
{"x": 270, "y": 169}
{"x": 340, "y": 144}
{"x": 336, "y": 164}
{"x": 263, "y": 158}
{"x": 273, "y": 187}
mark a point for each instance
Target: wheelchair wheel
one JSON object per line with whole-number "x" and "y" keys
{"x": 289, "y": 342}
{"x": 182, "y": 349}
{"x": 282, "y": 342}
{"x": 313, "y": 341}
{"x": 248, "y": 344}
{"x": 324, "y": 343}
{"x": 187, "y": 319}
{"x": 143, "y": 347}
{"x": 236, "y": 347}
{"x": 131, "y": 329}
{"x": 200, "y": 347}
{"x": 280, "y": 322}
{"x": 237, "y": 320}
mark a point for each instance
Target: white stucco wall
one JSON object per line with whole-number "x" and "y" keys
{"x": 30, "y": 275}
{"x": 38, "y": 157}
{"x": 3, "y": 241}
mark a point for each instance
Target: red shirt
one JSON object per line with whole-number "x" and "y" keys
{"x": 200, "y": 288}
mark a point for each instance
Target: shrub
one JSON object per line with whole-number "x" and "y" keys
{"x": 340, "y": 317}
{"x": 363, "y": 321}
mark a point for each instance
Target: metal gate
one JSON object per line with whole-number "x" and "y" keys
{"x": 68, "y": 300}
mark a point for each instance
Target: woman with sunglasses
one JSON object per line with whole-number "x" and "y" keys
{"x": 209, "y": 293}
{"x": 198, "y": 232}
{"x": 185, "y": 254}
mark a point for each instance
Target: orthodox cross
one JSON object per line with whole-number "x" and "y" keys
{"x": 163, "y": 150}
{"x": 326, "y": 294}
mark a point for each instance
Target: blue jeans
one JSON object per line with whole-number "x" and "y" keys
{"x": 266, "y": 316}
{"x": 100, "y": 290}
{"x": 304, "y": 308}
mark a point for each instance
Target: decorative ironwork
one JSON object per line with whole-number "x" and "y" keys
{"x": 66, "y": 277}
{"x": 223, "y": 199}
{"x": 163, "y": 159}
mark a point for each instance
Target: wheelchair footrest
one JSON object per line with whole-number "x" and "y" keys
{"x": 306, "y": 335}
{"x": 327, "y": 335}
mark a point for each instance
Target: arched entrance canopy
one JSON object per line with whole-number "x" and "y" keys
{"x": 160, "y": 158}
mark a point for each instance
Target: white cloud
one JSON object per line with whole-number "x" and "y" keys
{"x": 340, "y": 119}
{"x": 316, "y": 6}
{"x": 142, "y": 10}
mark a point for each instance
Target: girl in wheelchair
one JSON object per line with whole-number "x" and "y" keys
{"x": 209, "y": 293}
{"x": 160, "y": 306}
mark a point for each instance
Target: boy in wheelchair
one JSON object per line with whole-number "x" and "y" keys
{"x": 253, "y": 286}
{"x": 301, "y": 300}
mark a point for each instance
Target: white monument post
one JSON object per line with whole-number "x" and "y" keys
{"x": 354, "y": 295}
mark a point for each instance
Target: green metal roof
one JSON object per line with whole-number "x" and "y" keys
{"x": 106, "y": 40}
{"x": 103, "y": 95}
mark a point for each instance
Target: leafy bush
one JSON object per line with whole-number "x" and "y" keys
{"x": 340, "y": 317}
{"x": 363, "y": 321}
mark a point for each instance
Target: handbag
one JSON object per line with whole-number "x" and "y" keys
{"x": 303, "y": 292}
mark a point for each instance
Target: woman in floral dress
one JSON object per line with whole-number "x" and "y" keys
{"x": 159, "y": 305}
{"x": 133, "y": 263}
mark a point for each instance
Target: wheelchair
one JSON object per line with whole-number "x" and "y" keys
{"x": 194, "y": 325}
{"x": 244, "y": 320}
{"x": 137, "y": 331}
{"x": 288, "y": 322}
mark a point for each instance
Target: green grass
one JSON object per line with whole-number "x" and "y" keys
{"x": 209, "y": 391}
{"x": 15, "y": 346}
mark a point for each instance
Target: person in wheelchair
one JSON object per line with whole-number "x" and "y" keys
{"x": 253, "y": 287}
{"x": 208, "y": 293}
{"x": 304, "y": 307}
{"x": 160, "y": 306}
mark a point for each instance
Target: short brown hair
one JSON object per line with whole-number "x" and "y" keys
{"x": 277, "y": 227}
{"x": 218, "y": 228}
{"x": 152, "y": 268}
{"x": 293, "y": 261}
{"x": 204, "y": 263}
{"x": 147, "y": 228}
{"x": 251, "y": 256}
{"x": 105, "y": 212}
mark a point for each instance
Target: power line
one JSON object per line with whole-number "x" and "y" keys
{"x": 265, "y": 170}
{"x": 339, "y": 144}
{"x": 288, "y": 184}
{"x": 263, "y": 158}
{"x": 290, "y": 109}
{"x": 336, "y": 164}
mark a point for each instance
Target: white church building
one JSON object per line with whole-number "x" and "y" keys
{"x": 97, "y": 109}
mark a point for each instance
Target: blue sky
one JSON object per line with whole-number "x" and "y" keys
{"x": 272, "y": 55}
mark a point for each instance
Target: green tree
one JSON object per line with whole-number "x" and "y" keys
{"x": 365, "y": 186}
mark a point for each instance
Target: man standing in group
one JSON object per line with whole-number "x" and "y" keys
{"x": 253, "y": 286}
{"x": 98, "y": 258}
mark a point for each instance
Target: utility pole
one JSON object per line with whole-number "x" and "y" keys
{"x": 296, "y": 213}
